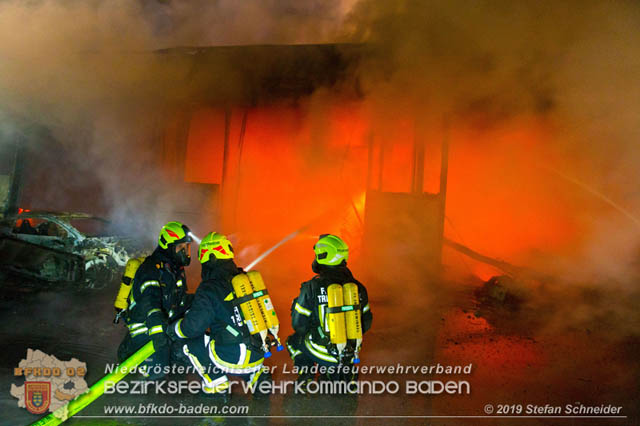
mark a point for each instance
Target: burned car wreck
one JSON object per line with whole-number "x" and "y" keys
{"x": 74, "y": 249}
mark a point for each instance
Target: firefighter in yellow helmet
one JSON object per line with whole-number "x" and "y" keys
{"x": 228, "y": 348}
{"x": 313, "y": 343}
{"x": 158, "y": 296}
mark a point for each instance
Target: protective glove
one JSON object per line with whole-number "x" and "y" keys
{"x": 171, "y": 331}
{"x": 161, "y": 339}
{"x": 296, "y": 339}
{"x": 188, "y": 299}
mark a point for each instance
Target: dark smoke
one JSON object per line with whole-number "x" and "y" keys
{"x": 85, "y": 71}
{"x": 487, "y": 66}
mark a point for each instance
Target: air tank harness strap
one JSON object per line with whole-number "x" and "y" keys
{"x": 343, "y": 308}
{"x": 240, "y": 300}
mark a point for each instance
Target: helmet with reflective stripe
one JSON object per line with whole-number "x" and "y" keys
{"x": 217, "y": 245}
{"x": 331, "y": 250}
{"x": 174, "y": 233}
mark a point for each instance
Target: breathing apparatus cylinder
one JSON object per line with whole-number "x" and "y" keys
{"x": 251, "y": 309}
{"x": 353, "y": 317}
{"x": 337, "y": 325}
{"x": 122, "y": 299}
{"x": 264, "y": 301}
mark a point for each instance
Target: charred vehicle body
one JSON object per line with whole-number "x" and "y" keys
{"x": 70, "y": 248}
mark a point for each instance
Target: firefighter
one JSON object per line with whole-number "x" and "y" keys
{"x": 227, "y": 348}
{"x": 158, "y": 296}
{"x": 311, "y": 343}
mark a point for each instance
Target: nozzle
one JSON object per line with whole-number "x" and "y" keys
{"x": 356, "y": 360}
{"x": 279, "y": 348}
{"x": 267, "y": 354}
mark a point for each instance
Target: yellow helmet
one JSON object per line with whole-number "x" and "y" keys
{"x": 331, "y": 250}
{"x": 217, "y": 245}
{"x": 174, "y": 232}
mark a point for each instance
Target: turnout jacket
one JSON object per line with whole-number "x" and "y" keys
{"x": 214, "y": 308}
{"x": 158, "y": 296}
{"x": 309, "y": 309}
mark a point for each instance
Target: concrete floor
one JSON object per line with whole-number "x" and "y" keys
{"x": 520, "y": 365}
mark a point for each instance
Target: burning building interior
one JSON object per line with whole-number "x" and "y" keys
{"x": 479, "y": 159}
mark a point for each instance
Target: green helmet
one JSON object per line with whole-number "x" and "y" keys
{"x": 216, "y": 244}
{"x": 174, "y": 233}
{"x": 331, "y": 250}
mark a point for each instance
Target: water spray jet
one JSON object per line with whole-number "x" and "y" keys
{"x": 272, "y": 249}
{"x": 596, "y": 194}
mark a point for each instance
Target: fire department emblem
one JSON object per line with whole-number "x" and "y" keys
{"x": 49, "y": 383}
{"x": 37, "y": 396}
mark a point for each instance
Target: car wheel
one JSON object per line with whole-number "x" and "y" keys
{"x": 100, "y": 273}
